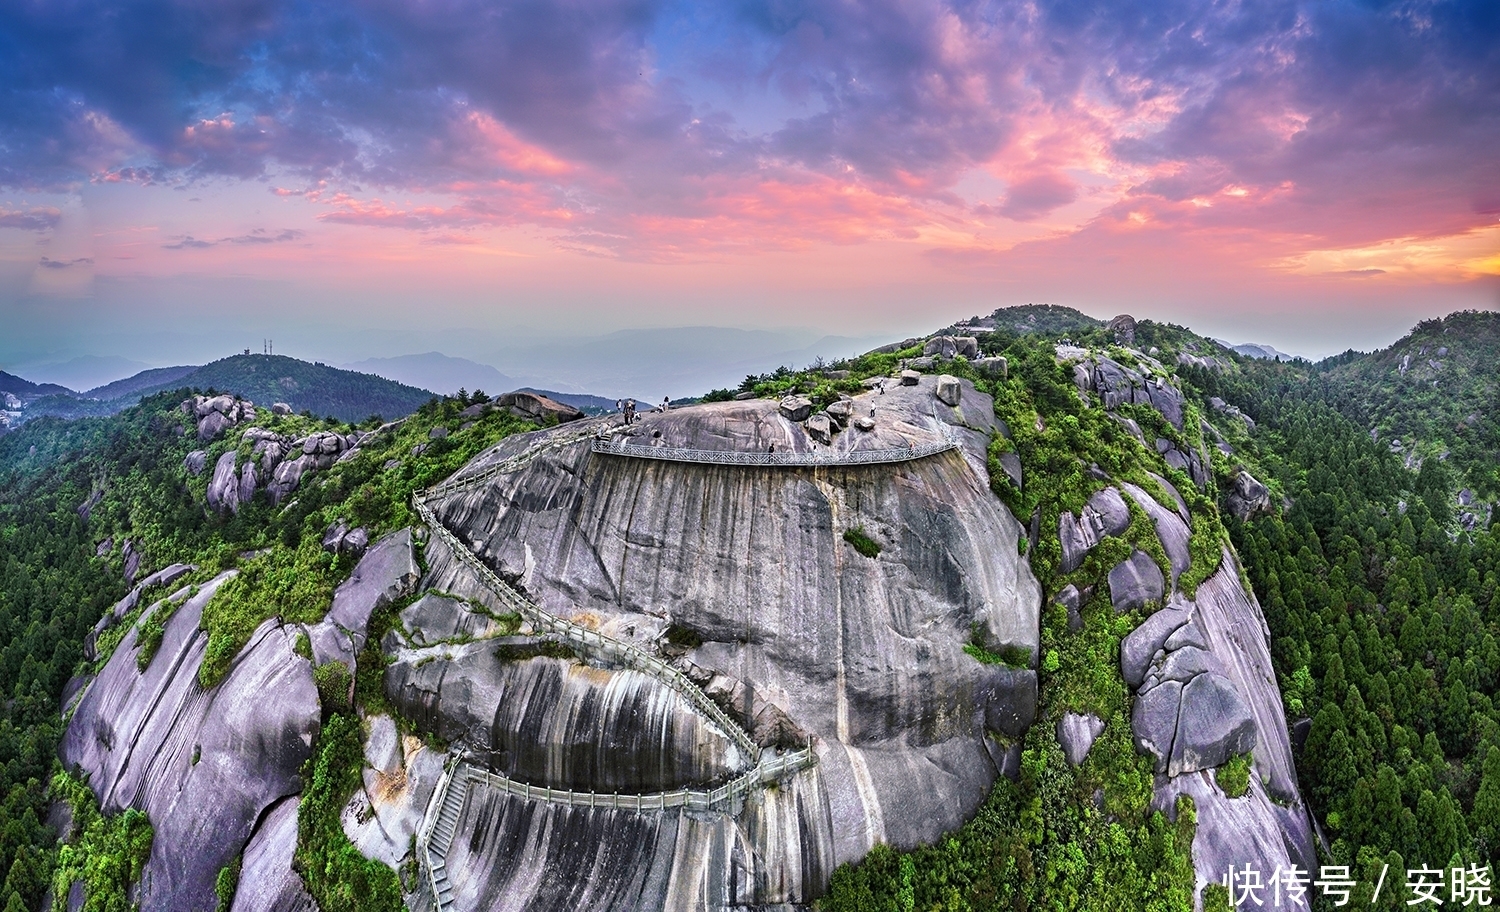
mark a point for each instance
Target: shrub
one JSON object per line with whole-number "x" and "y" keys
{"x": 1234, "y": 776}
{"x": 332, "y": 680}
{"x": 862, "y": 542}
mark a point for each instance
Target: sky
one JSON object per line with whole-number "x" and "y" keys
{"x": 181, "y": 179}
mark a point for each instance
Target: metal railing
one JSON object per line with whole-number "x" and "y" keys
{"x": 722, "y": 796}
{"x": 784, "y": 458}
{"x": 590, "y": 640}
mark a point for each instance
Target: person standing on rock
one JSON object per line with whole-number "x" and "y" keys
{"x": 629, "y": 411}
{"x": 666, "y": 403}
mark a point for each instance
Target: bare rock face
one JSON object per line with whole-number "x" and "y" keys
{"x": 387, "y": 572}
{"x": 399, "y": 778}
{"x": 865, "y": 654}
{"x": 163, "y": 577}
{"x": 195, "y": 462}
{"x": 203, "y": 766}
{"x": 267, "y": 881}
{"x": 521, "y": 718}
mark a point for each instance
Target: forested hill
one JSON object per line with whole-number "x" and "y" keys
{"x": 1435, "y": 392}
{"x": 317, "y": 388}
{"x": 264, "y": 379}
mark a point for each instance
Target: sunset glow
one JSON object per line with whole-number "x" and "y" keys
{"x": 637, "y": 163}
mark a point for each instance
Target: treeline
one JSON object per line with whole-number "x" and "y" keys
{"x": 1385, "y": 623}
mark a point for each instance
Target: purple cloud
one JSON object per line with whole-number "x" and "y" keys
{"x": 37, "y": 218}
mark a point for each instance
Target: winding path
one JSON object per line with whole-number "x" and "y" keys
{"x": 440, "y": 823}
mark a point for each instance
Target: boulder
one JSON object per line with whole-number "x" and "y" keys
{"x": 387, "y": 572}
{"x": 820, "y": 428}
{"x": 836, "y": 374}
{"x": 1104, "y": 514}
{"x": 1141, "y": 644}
{"x": 333, "y": 537}
{"x": 1214, "y": 725}
{"x": 910, "y": 378}
{"x": 992, "y": 367}
{"x": 195, "y": 462}
{"x": 356, "y": 541}
{"x": 940, "y": 347}
{"x": 922, "y": 364}
{"x": 1248, "y": 497}
{"x": 1135, "y": 581}
{"x": 437, "y": 433}
{"x": 1010, "y": 462}
{"x": 949, "y": 392}
{"x": 1153, "y": 722}
{"x": 1110, "y": 508}
{"x": 288, "y": 476}
{"x": 864, "y": 423}
{"x": 224, "y": 487}
{"x": 1071, "y": 599}
{"x": 966, "y": 347}
{"x": 213, "y": 424}
{"x": 841, "y": 410}
{"x": 1076, "y": 733}
{"x": 795, "y": 408}
{"x": 1123, "y": 329}
{"x": 536, "y": 407}
{"x": 131, "y": 562}
{"x": 1009, "y": 698}
{"x": 280, "y": 408}
{"x": 248, "y": 481}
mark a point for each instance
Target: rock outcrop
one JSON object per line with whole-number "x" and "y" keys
{"x": 203, "y": 766}
{"x": 863, "y": 654}
{"x": 214, "y": 415}
{"x": 1248, "y": 498}
{"x": 267, "y": 881}
{"x": 1119, "y": 385}
{"x": 536, "y": 407}
{"x": 1206, "y": 692}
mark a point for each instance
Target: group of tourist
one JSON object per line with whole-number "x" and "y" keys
{"x": 627, "y": 408}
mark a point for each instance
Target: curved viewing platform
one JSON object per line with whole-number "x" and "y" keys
{"x": 740, "y": 457}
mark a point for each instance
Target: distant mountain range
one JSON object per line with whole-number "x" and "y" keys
{"x": 1257, "y": 350}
